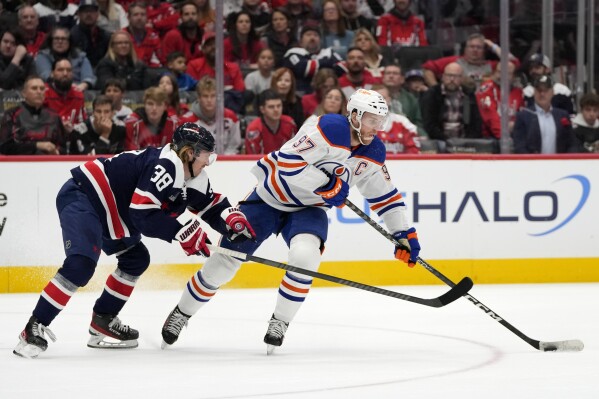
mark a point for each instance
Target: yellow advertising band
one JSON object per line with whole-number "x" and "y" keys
{"x": 17, "y": 279}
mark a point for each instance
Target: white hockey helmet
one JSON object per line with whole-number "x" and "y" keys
{"x": 367, "y": 101}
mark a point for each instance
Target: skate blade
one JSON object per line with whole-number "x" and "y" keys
{"x": 28, "y": 351}
{"x": 164, "y": 345}
{"x": 104, "y": 342}
{"x": 270, "y": 349}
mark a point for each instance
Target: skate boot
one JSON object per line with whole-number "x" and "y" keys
{"x": 275, "y": 334}
{"x": 32, "y": 340}
{"x": 108, "y": 332}
{"x": 172, "y": 326}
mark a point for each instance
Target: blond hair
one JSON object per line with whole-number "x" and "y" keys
{"x": 131, "y": 57}
{"x": 156, "y": 94}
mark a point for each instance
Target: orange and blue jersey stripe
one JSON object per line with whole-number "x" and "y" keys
{"x": 385, "y": 203}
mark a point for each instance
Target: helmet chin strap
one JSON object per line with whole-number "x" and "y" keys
{"x": 357, "y": 129}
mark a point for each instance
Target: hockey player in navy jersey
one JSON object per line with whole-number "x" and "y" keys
{"x": 106, "y": 206}
{"x": 297, "y": 184}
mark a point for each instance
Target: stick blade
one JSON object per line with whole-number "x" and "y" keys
{"x": 459, "y": 290}
{"x": 572, "y": 345}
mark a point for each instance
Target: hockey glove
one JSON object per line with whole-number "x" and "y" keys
{"x": 409, "y": 248}
{"x": 193, "y": 239}
{"x": 238, "y": 227}
{"x": 334, "y": 192}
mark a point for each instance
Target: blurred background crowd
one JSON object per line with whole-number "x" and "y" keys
{"x": 103, "y": 76}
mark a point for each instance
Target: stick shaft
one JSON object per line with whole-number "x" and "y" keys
{"x": 443, "y": 300}
{"x": 533, "y": 342}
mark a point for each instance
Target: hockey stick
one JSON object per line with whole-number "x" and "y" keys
{"x": 545, "y": 346}
{"x": 454, "y": 293}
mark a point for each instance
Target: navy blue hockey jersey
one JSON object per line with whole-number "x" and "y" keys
{"x": 143, "y": 192}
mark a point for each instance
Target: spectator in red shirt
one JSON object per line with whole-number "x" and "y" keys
{"x": 474, "y": 65}
{"x": 187, "y": 37}
{"x": 357, "y": 75}
{"x": 273, "y": 129}
{"x": 399, "y": 27}
{"x": 233, "y": 78}
{"x": 206, "y": 15}
{"x": 242, "y": 45}
{"x": 150, "y": 125}
{"x": 333, "y": 102}
{"x": 324, "y": 80}
{"x": 32, "y": 128}
{"x": 399, "y": 135}
{"x": 29, "y": 23}
{"x": 62, "y": 97}
{"x": 488, "y": 98}
{"x": 146, "y": 41}
{"x": 162, "y": 16}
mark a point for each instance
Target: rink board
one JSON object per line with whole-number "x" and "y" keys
{"x": 507, "y": 220}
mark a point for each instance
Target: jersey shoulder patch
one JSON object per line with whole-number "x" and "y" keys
{"x": 374, "y": 152}
{"x": 335, "y": 129}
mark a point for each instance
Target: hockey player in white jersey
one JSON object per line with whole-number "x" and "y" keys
{"x": 297, "y": 184}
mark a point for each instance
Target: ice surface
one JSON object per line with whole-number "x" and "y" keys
{"x": 344, "y": 343}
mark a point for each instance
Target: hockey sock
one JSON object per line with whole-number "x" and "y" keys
{"x": 196, "y": 294}
{"x": 292, "y": 293}
{"x": 304, "y": 251}
{"x": 53, "y": 299}
{"x": 117, "y": 291}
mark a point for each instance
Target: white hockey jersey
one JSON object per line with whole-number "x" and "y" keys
{"x": 287, "y": 178}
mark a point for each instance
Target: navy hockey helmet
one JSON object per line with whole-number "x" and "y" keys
{"x": 195, "y": 136}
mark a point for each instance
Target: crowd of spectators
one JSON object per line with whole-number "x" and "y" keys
{"x": 103, "y": 76}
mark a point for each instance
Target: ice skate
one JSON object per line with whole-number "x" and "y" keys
{"x": 32, "y": 340}
{"x": 172, "y": 327}
{"x": 275, "y": 334}
{"x": 107, "y": 332}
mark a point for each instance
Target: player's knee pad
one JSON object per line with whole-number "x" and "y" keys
{"x": 78, "y": 269}
{"x": 135, "y": 260}
{"x": 304, "y": 251}
{"x": 219, "y": 269}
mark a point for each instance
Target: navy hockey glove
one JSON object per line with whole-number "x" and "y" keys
{"x": 409, "y": 248}
{"x": 334, "y": 192}
{"x": 238, "y": 227}
{"x": 193, "y": 239}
